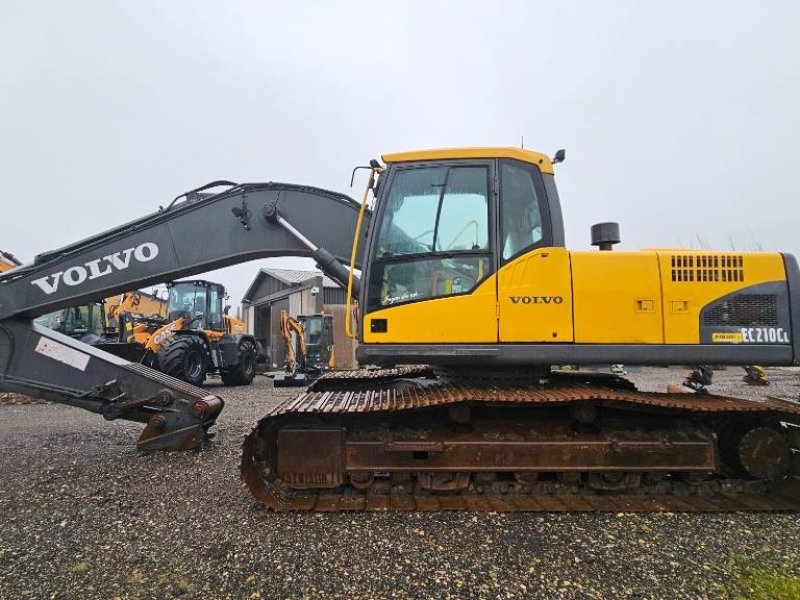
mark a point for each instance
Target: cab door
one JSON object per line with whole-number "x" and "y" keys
{"x": 534, "y": 283}
{"x": 431, "y": 278}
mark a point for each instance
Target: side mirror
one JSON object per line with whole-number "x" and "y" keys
{"x": 227, "y": 309}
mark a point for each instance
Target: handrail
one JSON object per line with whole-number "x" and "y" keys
{"x": 347, "y": 318}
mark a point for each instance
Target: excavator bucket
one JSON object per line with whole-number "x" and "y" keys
{"x": 42, "y": 363}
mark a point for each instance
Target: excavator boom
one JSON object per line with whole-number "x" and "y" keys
{"x": 237, "y": 225}
{"x": 245, "y": 222}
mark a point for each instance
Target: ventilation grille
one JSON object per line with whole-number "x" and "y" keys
{"x": 744, "y": 310}
{"x": 707, "y": 267}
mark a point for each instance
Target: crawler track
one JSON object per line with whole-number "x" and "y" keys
{"x": 335, "y": 436}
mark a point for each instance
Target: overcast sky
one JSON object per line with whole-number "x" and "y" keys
{"x": 681, "y": 120}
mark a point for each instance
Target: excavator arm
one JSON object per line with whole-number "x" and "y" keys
{"x": 192, "y": 235}
{"x": 126, "y": 303}
{"x": 287, "y": 326}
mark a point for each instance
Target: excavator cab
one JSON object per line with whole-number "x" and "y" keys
{"x": 199, "y": 302}
{"x": 85, "y": 322}
{"x": 446, "y": 228}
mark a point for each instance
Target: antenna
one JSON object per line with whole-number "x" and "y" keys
{"x": 522, "y": 141}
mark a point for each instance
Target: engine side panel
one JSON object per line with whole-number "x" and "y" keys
{"x": 617, "y": 298}
{"x": 692, "y": 281}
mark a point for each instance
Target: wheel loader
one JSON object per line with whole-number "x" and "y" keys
{"x": 8, "y": 261}
{"x": 88, "y": 323}
{"x": 190, "y": 343}
{"x": 203, "y": 338}
{"x": 466, "y": 297}
{"x": 198, "y": 337}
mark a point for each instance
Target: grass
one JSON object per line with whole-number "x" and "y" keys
{"x": 756, "y": 583}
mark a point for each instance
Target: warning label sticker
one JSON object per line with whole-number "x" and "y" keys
{"x": 63, "y": 354}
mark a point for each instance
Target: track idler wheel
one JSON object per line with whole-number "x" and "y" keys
{"x": 764, "y": 453}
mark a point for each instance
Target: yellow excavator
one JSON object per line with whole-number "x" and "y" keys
{"x": 467, "y": 296}
{"x": 309, "y": 348}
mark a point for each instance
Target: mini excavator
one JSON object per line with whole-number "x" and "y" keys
{"x": 309, "y": 348}
{"x": 467, "y": 296}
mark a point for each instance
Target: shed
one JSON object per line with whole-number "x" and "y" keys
{"x": 299, "y": 293}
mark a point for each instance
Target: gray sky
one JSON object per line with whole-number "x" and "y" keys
{"x": 681, "y": 120}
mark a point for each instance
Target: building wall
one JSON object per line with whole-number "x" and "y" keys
{"x": 334, "y": 296}
{"x": 267, "y": 287}
{"x": 248, "y": 316}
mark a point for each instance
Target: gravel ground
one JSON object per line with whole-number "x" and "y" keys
{"x": 86, "y": 516}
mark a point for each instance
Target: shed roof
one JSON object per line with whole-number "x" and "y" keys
{"x": 290, "y": 277}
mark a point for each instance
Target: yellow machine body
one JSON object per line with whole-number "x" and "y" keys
{"x": 554, "y": 295}
{"x": 453, "y": 264}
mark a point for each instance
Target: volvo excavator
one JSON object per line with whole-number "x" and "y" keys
{"x": 466, "y": 297}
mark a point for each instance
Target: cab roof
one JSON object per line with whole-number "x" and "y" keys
{"x": 537, "y": 158}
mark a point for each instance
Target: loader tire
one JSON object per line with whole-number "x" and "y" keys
{"x": 243, "y": 372}
{"x": 184, "y": 357}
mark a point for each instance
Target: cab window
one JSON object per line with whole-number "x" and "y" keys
{"x": 96, "y": 318}
{"x": 189, "y": 301}
{"x": 521, "y": 217}
{"x": 214, "y": 308}
{"x": 434, "y": 236}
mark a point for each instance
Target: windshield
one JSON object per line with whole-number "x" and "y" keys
{"x": 434, "y": 236}
{"x": 53, "y": 320}
{"x": 75, "y": 320}
{"x": 313, "y": 330}
{"x": 436, "y": 209}
{"x": 187, "y": 298}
